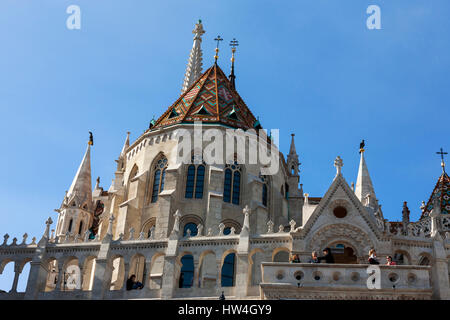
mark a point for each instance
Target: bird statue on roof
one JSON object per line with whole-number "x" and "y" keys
{"x": 91, "y": 139}
{"x": 361, "y": 146}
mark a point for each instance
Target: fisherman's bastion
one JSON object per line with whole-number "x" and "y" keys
{"x": 197, "y": 230}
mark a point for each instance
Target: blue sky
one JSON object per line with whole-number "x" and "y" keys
{"x": 306, "y": 67}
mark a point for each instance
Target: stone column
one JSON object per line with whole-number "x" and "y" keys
{"x": 126, "y": 271}
{"x": 37, "y": 280}
{"x": 242, "y": 283}
{"x": 17, "y": 272}
{"x": 168, "y": 278}
{"x": 60, "y": 283}
{"x": 439, "y": 271}
{"x": 214, "y": 198}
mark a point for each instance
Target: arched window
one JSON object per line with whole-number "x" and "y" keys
{"x": 227, "y": 231}
{"x": 227, "y": 279}
{"x": 192, "y": 227}
{"x": 70, "y": 225}
{"x": 80, "y": 229}
{"x": 287, "y": 191}
{"x": 264, "y": 190}
{"x": 232, "y": 184}
{"x": 158, "y": 178}
{"x": 187, "y": 271}
{"x": 195, "y": 181}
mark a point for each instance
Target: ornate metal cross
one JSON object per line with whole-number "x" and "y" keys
{"x": 234, "y": 43}
{"x": 442, "y": 153}
{"x": 218, "y": 39}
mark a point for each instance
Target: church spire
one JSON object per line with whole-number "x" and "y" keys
{"x": 364, "y": 189}
{"x": 81, "y": 187}
{"x": 195, "y": 62}
{"x": 292, "y": 158}
{"x": 126, "y": 145}
{"x": 233, "y": 44}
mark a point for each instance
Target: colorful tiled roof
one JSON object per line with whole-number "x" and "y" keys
{"x": 211, "y": 99}
{"x": 442, "y": 192}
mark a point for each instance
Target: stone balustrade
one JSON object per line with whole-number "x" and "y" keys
{"x": 343, "y": 281}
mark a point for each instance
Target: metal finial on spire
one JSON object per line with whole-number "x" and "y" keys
{"x": 233, "y": 44}
{"x": 442, "y": 153}
{"x": 218, "y": 39}
{"x": 91, "y": 139}
{"x": 361, "y": 146}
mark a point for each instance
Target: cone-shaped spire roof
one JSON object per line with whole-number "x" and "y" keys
{"x": 441, "y": 193}
{"x": 81, "y": 186}
{"x": 210, "y": 99}
{"x": 195, "y": 62}
{"x": 292, "y": 150}
{"x": 364, "y": 185}
{"x": 126, "y": 145}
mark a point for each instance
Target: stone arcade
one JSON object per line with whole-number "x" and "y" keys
{"x": 197, "y": 230}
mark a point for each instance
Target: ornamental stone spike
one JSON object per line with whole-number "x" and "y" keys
{"x": 86, "y": 236}
{"x": 292, "y": 224}
{"x": 25, "y": 236}
{"x": 14, "y": 242}
{"x": 270, "y": 225}
{"x": 221, "y": 228}
{"x": 246, "y": 227}
{"x": 188, "y": 233}
{"x": 131, "y": 234}
{"x": 338, "y": 163}
{"x": 280, "y": 228}
{"x": 176, "y": 225}
{"x": 152, "y": 232}
{"x": 141, "y": 235}
{"x": 33, "y": 241}
{"x": 110, "y": 226}
{"x": 232, "y": 231}
{"x": 200, "y": 230}
{"x": 5, "y": 239}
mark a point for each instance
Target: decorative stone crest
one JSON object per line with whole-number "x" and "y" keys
{"x": 221, "y": 228}
{"x": 200, "y": 230}
{"x": 292, "y": 224}
{"x": 131, "y": 234}
{"x": 270, "y": 225}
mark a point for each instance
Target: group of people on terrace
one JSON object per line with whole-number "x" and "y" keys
{"x": 329, "y": 258}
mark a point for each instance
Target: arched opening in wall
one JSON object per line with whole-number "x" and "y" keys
{"x": 228, "y": 270}
{"x": 158, "y": 177}
{"x": 192, "y": 227}
{"x": 6, "y": 275}
{"x": 281, "y": 256}
{"x": 229, "y": 223}
{"x": 88, "y": 273}
{"x": 186, "y": 279}
{"x": 340, "y": 212}
{"x": 23, "y": 278}
{"x": 343, "y": 253}
{"x": 401, "y": 258}
{"x": 80, "y": 228}
{"x": 69, "y": 229}
{"x": 71, "y": 275}
{"x": 424, "y": 261}
{"x": 208, "y": 270}
{"x": 118, "y": 273}
{"x": 52, "y": 275}
{"x": 156, "y": 271}
{"x": 137, "y": 267}
{"x": 147, "y": 227}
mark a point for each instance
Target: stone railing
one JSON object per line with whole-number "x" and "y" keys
{"x": 343, "y": 281}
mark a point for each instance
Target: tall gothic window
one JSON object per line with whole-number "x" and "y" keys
{"x": 187, "y": 272}
{"x": 232, "y": 183}
{"x": 70, "y": 225}
{"x": 158, "y": 178}
{"x": 195, "y": 181}
{"x": 227, "y": 277}
{"x": 264, "y": 190}
{"x": 80, "y": 229}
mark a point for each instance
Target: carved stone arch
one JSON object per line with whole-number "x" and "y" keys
{"x": 406, "y": 256}
{"x": 425, "y": 255}
{"x": 232, "y": 223}
{"x": 3, "y": 264}
{"x": 190, "y": 218}
{"x": 148, "y": 224}
{"x": 278, "y": 250}
{"x": 357, "y": 238}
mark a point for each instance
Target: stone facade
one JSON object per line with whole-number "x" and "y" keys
{"x": 148, "y": 224}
